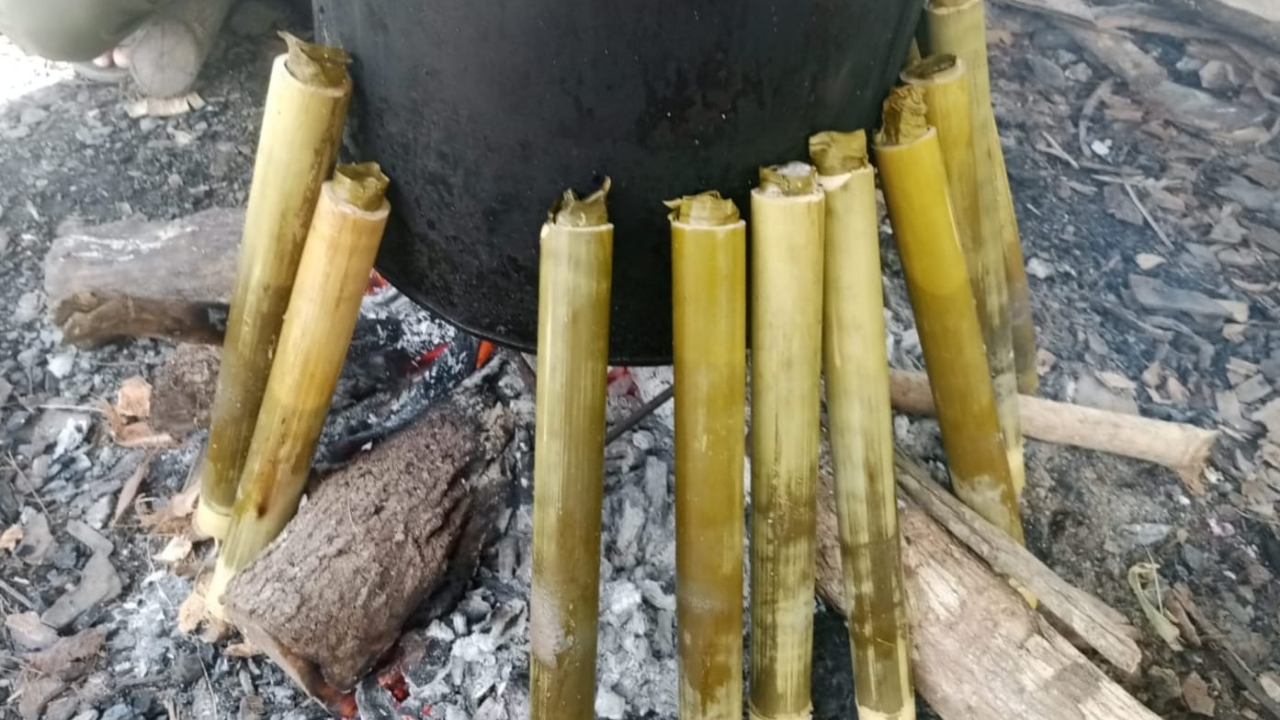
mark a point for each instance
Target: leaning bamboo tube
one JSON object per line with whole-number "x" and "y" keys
{"x": 787, "y": 235}
{"x": 861, "y": 429}
{"x": 575, "y": 280}
{"x": 709, "y": 343}
{"x": 913, "y": 176}
{"x": 306, "y": 108}
{"x": 323, "y": 308}
{"x": 959, "y": 28}
{"x": 944, "y": 81}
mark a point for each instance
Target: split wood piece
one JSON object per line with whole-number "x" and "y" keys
{"x": 306, "y": 109}
{"x": 167, "y": 52}
{"x": 402, "y": 524}
{"x": 979, "y": 651}
{"x": 1096, "y": 623}
{"x": 166, "y": 279}
{"x": 1183, "y": 448}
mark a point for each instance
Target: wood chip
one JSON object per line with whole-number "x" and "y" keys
{"x": 1116, "y": 381}
{"x": 130, "y": 489}
{"x": 134, "y": 398}
{"x": 1196, "y": 694}
{"x": 1254, "y": 389}
{"x": 1147, "y": 261}
{"x": 1234, "y": 332}
{"x": 1239, "y": 370}
{"x": 242, "y": 650}
{"x": 11, "y": 538}
{"x": 1269, "y": 415}
{"x": 1152, "y": 375}
{"x": 1155, "y": 295}
{"x": 177, "y": 550}
{"x": 1045, "y": 361}
{"x": 1177, "y": 392}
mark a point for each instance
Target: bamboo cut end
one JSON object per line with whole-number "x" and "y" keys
{"x": 837, "y": 153}
{"x": 793, "y": 179}
{"x": 222, "y": 575}
{"x": 707, "y": 209}
{"x": 904, "y": 117}
{"x": 212, "y": 522}
{"x": 941, "y": 68}
{"x": 361, "y": 185}
{"x": 754, "y": 714}
{"x": 312, "y": 64}
{"x": 950, "y": 5}
{"x": 590, "y": 211}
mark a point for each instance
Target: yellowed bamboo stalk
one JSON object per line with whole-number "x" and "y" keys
{"x": 944, "y": 81}
{"x": 709, "y": 301}
{"x": 787, "y": 236}
{"x": 861, "y": 430}
{"x": 306, "y": 108}
{"x": 959, "y": 28}
{"x": 574, "y": 285}
{"x": 345, "y": 234}
{"x": 914, "y": 179}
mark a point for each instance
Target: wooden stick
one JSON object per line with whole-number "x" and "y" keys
{"x": 944, "y": 80}
{"x": 344, "y": 238}
{"x": 400, "y": 529}
{"x": 861, "y": 428}
{"x": 787, "y": 232}
{"x": 1183, "y": 448}
{"x": 575, "y": 280}
{"x": 709, "y": 338}
{"x": 913, "y": 176}
{"x": 305, "y": 112}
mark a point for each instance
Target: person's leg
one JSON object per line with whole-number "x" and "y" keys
{"x": 73, "y": 30}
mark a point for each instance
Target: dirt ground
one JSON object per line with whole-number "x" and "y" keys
{"x": 1137, "y": 192}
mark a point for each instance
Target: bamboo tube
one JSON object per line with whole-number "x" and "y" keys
{"x": 915, "y": 188}
{"x": 302, "y": 124}
{"x": 944, "y": 81}
{"x": 787, "y": 235}
{"x": 709, "y": 300}
{"x": 575, "y": 280}
{"x": 861, "y": 429}
{"x": 959, "y": 28}
{"x": 323, "y": 307}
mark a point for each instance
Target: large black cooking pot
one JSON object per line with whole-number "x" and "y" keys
{"x": 483, "y": 111}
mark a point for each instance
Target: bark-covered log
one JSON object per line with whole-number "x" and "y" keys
{"x": 135, "y": 278}
{"x": 377, "y": 540}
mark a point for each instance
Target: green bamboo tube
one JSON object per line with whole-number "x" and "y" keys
{"x": 574, "y": 285}
{"x": 914, "y": 179}
{"x": 787, "y": 234}
{"x": 861, "y": 430}
{"x": 944, "y": 81}
{"x": 344, "y": 237}
{"x": 959, "y": 28}
{"x": 306, "y": 108}
{"x": 709, "y": 340}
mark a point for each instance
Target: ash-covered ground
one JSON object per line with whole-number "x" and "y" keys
{"x": 1096, "y": 170}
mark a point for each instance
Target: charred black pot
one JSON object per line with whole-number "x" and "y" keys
{"x": 482, "y": 112}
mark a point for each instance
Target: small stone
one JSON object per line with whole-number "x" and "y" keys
{"x": 1039, "y": 269}
{"x": 610, "y": 705}
{"x": 119, "y": 711}
{"x": 1196, "y": 694}
{"x": 1218, "y": 75}
{"x": 1163, "y": 684}
{"x": 37, "y": 546}
{"x": 629, "y": 526}
{"x": 99, "y": 582}
{"x": 28, "y": 632}
{"x": 1147, "y": 261}
{"x": 1137, "y": 535}
{"x": 475, "y": 608}
{"x": 60, "y": 366}
{"x": 91, "y": 538}
{"x": 1270, "y": 683}
{"x": 1047, "y": 72}
{"x": 99, "y": 512}
{"x": 1195, "y": 559}
{"x": 63, "y": 708}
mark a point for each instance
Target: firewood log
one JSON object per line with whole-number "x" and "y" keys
{"x": 377, "y": 540}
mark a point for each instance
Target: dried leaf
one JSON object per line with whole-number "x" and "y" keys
{"x": 1147, "y": 261}
{"x": 176, "y": 551}
{"x": 133, "y": 435}
{"x": 1176, "y": 391}
{"x": 1234, "y": 332}
{"x": 11, "y": 537}
{"x": 1115, "y": 380}
{"x": 1195, "y": 692}
{"x": 1151, "y": 376}
{"x": 130, "y": 489}
{"x": 173, "y": 518}
{"x": 134, "y": 398}
{"x": 1140, "y": 576}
